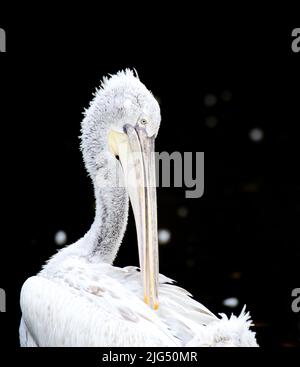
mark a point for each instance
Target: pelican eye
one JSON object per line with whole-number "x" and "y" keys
{"x": 143, "y": 121}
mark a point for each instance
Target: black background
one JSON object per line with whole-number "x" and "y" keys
{"x": 241, "y": 239}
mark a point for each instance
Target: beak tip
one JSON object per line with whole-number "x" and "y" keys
{"x": 147, "y": 300}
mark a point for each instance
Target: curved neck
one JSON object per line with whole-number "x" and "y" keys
{"x": 101, "y": 243}
{"x": 104, "y": 238}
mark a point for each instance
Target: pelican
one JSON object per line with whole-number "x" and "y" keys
{"x": 79, "y": 299}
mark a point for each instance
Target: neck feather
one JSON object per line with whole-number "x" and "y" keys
{"x": 104, "y": 238}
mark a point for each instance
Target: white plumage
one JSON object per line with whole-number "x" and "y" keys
{"x": 79, "y": 298}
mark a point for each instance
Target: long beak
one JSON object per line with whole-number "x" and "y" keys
{"x": 136, "y": 154}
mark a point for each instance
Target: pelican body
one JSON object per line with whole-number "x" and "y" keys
{"x": 79, "y": 299}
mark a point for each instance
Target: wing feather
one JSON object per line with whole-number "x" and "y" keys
{"x": 56, "y": 316}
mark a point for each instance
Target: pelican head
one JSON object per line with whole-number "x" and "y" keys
{"x": 119, "y": 130}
